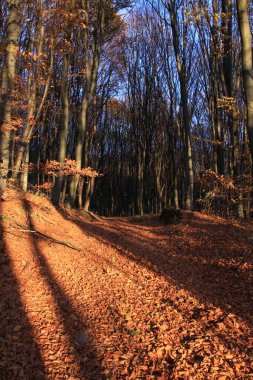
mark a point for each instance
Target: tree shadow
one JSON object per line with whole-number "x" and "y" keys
{"x": 82, "y": 359}
{"x": 182, "y": 256}
{"x": 20, "y": 355}
{"x": 87, "y": 362}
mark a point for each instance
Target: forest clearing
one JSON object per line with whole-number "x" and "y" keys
{"x": 135, "y": 300}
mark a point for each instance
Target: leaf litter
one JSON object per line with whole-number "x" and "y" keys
{"x": 139, "y": 301}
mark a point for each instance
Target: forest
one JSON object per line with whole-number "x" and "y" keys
{"x": 126, "y": 189}
{"x": 124, "y": 108}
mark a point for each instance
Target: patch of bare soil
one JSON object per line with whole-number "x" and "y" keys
{"x": 124, "y": 298}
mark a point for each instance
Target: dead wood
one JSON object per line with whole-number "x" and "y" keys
{"x": 50, "y": 238}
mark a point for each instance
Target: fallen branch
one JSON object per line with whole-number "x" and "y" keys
{"x": 58, "y": 241}
{"x": 53, "y": 240}
{"x": 9, "y": 232}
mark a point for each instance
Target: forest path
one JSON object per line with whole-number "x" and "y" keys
{"x": 138, "y": 301}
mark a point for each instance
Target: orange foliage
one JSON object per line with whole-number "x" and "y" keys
{"x": 67, "y": 168}
{"x": 221, "y": 185}
{"x": 45, "y": 187}
{"x": 13, "y": 125}
{"x": 222, "y": 194}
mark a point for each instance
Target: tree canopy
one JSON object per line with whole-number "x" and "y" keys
{"x": 131, "y": 106}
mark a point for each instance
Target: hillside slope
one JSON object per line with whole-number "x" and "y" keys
{"x": 133, "y": 300}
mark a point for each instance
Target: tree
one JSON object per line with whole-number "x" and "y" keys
{"x": 65, "y": 93}
{"x": 153, "y": 101}
{"x": 247, "y": 66}
{"x": 8, "y": 88}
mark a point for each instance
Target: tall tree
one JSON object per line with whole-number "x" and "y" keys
{"x": 13, "y": 32}
{"x": 69, "y": 8}
{"x": 247, "y": 66}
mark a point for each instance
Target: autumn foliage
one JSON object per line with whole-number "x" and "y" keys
{"x": 67, "y": 168}
{"x": 223, "y": 195}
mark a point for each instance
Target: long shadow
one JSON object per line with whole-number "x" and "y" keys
{"x": 20, "y": 355}
{"x": 84, "y": 352}
{"x": 212, "y": 277}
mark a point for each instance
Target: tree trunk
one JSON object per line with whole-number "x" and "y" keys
{"x": 184, "y": 99}
{"x": 247, "y": 66}
{"x": 13, "y": 32}
{"x": 63, "y": 133}
{"x": 32, "y": 93}
{"x": 89, "y": 194}
{"x": 24, "y": 174}
{"x": 91, "y": 71}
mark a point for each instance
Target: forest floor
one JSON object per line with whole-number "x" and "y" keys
{"x": 139, "y": 300}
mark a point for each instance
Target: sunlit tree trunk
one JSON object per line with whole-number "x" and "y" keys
{"x": 13, "y": 32}
{"x": 24, "y": 173}
{"x": 91, "y": 181}
{"x": 32, "y": 94}
{"x": 247, "y": 65}
{"x": 89, "y": 193}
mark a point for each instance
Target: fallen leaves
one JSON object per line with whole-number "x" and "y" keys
{"x": 141, "y": 301}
